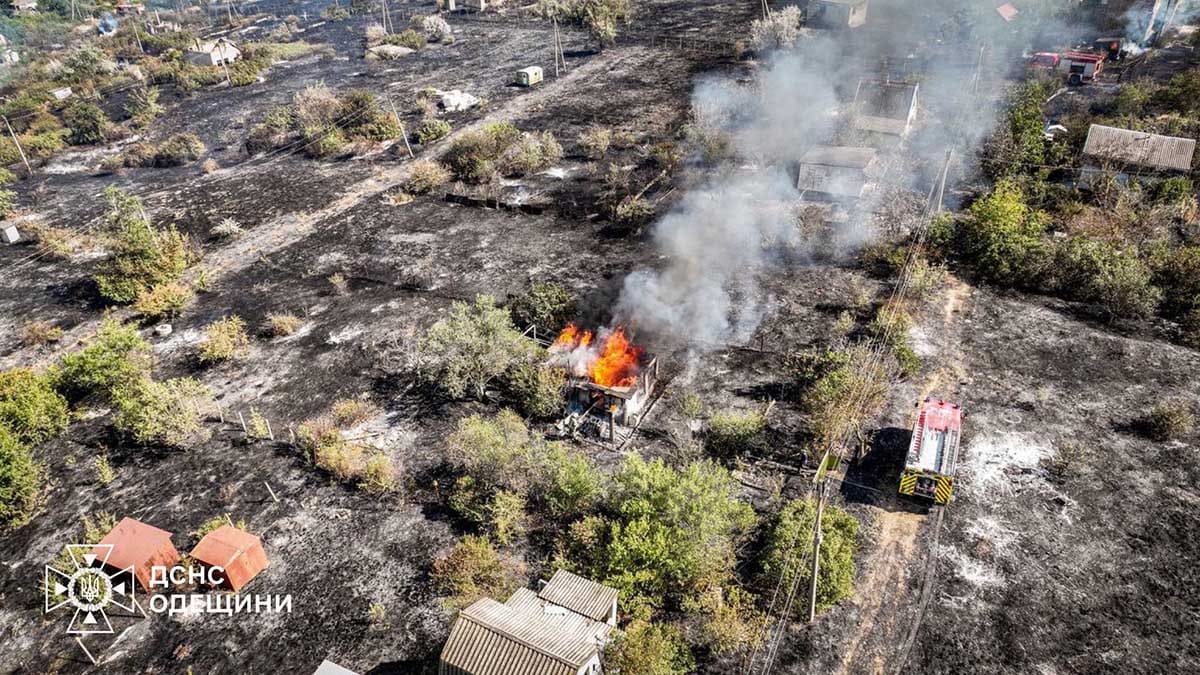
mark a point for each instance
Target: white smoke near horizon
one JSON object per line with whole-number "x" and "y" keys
{"x": 719, "y": 240}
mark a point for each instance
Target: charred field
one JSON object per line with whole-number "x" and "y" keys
{"x": 1070, "y": 542}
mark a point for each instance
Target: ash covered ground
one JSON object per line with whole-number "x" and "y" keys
{"x": 1087, "y": 571}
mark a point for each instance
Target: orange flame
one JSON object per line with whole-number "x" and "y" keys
{"x": 614, "y": 364}
{"x": 617, "y": 365}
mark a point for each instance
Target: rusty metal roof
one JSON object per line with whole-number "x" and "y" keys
{"x": 580, "y": 595}
{"x": 236, "y": 551}
{"x": 138, "y": 545}
{"x": 1138, "y": 148}
{"x": 491, "y": 638}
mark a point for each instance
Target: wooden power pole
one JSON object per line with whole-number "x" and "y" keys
{"x": 816, "y": 553}
{"x": 17, "y": 142}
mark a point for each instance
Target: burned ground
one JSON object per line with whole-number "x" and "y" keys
{"x": 1078, "y": 572}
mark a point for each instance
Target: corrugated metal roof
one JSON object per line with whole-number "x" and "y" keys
{"x": 490, "y": 638}
{"x": 1139, "y": 148}
{"x": 841, "y": 156}
{"x": 574, "y": 623}
{"x": 580, "y": 595}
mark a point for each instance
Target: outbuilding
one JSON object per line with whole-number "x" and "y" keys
{"x": 213, "y": 52}
{"x": 835, "y": 14}
{"x": 836, "y": 171}
{"x": 328, "y": 667}
{"x": 885, "y": 107}
{"x": 527, "y": 77}
{"x": 134, "y": 544}
{"x": 237, "y": 552}
{"x": 24, "y": 6}
{"x": 1121, "y": 152}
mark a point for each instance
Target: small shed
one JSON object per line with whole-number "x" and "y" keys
{"x": 10, "y": 234}
{"x": 24, "y": 6}
{"x": 1125, "y": 152}
{"x": 213, "y": 52}
{"x": 582, "y": 596}
{"x": 139, "y": 546}
{"x": 834, "y": 14}
{"x": 885, "y": 106}
{"x": 836, "y": 171}
{"x": 61, "y": 93}
{"x": 239, "y": 553}
{"x": 527, "y": 77}
{"x": 1007, "y": 12}
{"x": 127, "y": 8}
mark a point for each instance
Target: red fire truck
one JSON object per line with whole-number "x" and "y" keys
{"x": 933, "y": 452}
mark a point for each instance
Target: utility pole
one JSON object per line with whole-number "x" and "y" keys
{"x": 384, "y": 15}
{"x": 18, "y": 144}
{"x": 557, "y": 47}
{"x": 403, "y": 131}
{"x": 816, "y": 554}
{"x": 941, "y": 189}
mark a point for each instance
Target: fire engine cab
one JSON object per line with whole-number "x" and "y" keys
{"x": 933, "y": 452}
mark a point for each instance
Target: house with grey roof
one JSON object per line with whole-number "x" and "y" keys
{"x": 836, "y": 171}
{"x": 559, "y": 630}
{"x": 885, "y": 107}
{"x": 1124, "y": 152}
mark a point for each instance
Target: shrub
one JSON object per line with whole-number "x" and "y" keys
{"x": 473, "y": 156}
{"x": 379, "y": 475}
{"x": 342, "y": 459}
{"x": 87, "y": 122}
{"x": 166, "y": 413}
{"x": 846, "y": 394}
{"x": 731, "y": 434}
{"x": 506, "y": 516}
{"x": 779, "y": 31}
{"x": 20, "y": 481}
{"x": 407, "y": 38}
{"x": 224, "y": 339}
{"x": 375, "y": 33}
{"x": 350, "y": 412}
{"x": 283, "y": 324}
{"x": 431, "y": 130}
{"x": 142, "y": 256}
{"x": 788, "y": 556}
{"x": 1095, "y": 271}
{"x": 547, "y": 305}
{"x": 632, "y": 211}
{"x": 30, "y": 407}
{"x": 115, "y": 357}
{"x": 424, "y": 175}
{"x": 215, "y": 523}
{"x": 471, "y": 570}
{"x": 437, "y": 29}
{"x": 178, "y": 150}
{"x": 164, "y": 301}
{"x": 1003, "y": 236}
{"x": 531, "y": 153}
{"x": 537, "y": 390}
{"x": 104, "y": 470}
{"x": 469, "y": 349}
{"x": 8, "y": 203}
{"x": 497, "y": 451}
{"x": 143, "y": 106}
{"x": 601, "y": 18}
{"x": 594, "y": 142}
{"x": 316, "y": 433}
{"x": 574, "y": 486}
{"x": 35, "y": 333}
{"x": 729, "y": 621}
{"x": 649, "y": 649}
{"x": 1168, "y": 421}
{"x": 227, "y": 229}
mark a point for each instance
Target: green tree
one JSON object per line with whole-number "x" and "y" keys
{"x": 20, "y": 480}
{"x": 476, "y": 344}
{"x": 648, "y": 649}
{"x": 471, "y": 570}
{"x": 87, "y": 122}
{"x": 142, "y": 256}
{"x": 671, "y": 534}
{"x": 537, "y": 389}
{"x": 788, "y": 553}
{"x": 1003, "y": 236}
{"x": 547, "y": 305}
{"x": 30, "y": 407}
{"x": 735, "y": 433}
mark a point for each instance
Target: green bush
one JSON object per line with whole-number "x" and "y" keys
{"x": 431, "y": 130}
{"x": 537, "y": 390}
{"x": 645, "y": 648}
{"x": 788, "y": 552}
{"x": 506, "y": 516}
{"x": 1178, "y": 274}
{"x": 424, "y": 175}
{"x": 529, "y": 154}
{"x": 20, "y": 481}
{"x": 1173, "y": 190}
{"x": 1002, "y": 237}
{"x": 1095, "y": 271}
{"x": 143, "y": 106}
{"x": 142, "y": 256}
{"x": 87, "y": 122}
{"x": 471, "y": 570}
{"x": 466, "y": 351}
{"x": 163, "y": 301}
{"x": 30, "y": 407}
{"x": 8, "y": 203}
{"x": 474, "y": 155}
{"x": 547, "y": 305}
{"x": 574, "y": 487}
{"x": 178, "y": 150}
{"x": 224, "y": 339}
{"x": 731, "y": 434}
{"x": 166, "y": 413}
{"x": 115, "y": 357}
{"x": 406, "y": 38}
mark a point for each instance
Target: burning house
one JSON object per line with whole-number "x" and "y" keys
{"x": 610, "y": 381}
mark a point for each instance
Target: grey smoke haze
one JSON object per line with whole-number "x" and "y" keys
{"x": 721, "y": 237}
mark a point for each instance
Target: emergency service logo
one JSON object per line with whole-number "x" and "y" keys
{"x": 88, "y": 591}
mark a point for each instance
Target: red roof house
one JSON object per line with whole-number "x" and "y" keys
{"x": 138, "y": 545}
{"x": 239, "y": 553}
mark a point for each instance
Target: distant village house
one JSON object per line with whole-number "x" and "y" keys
{"x": 560, "y": 630}
{"x": 213, "y": 52}
{"x": 835, "y": 14}
{"x": 835, "y": 171}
